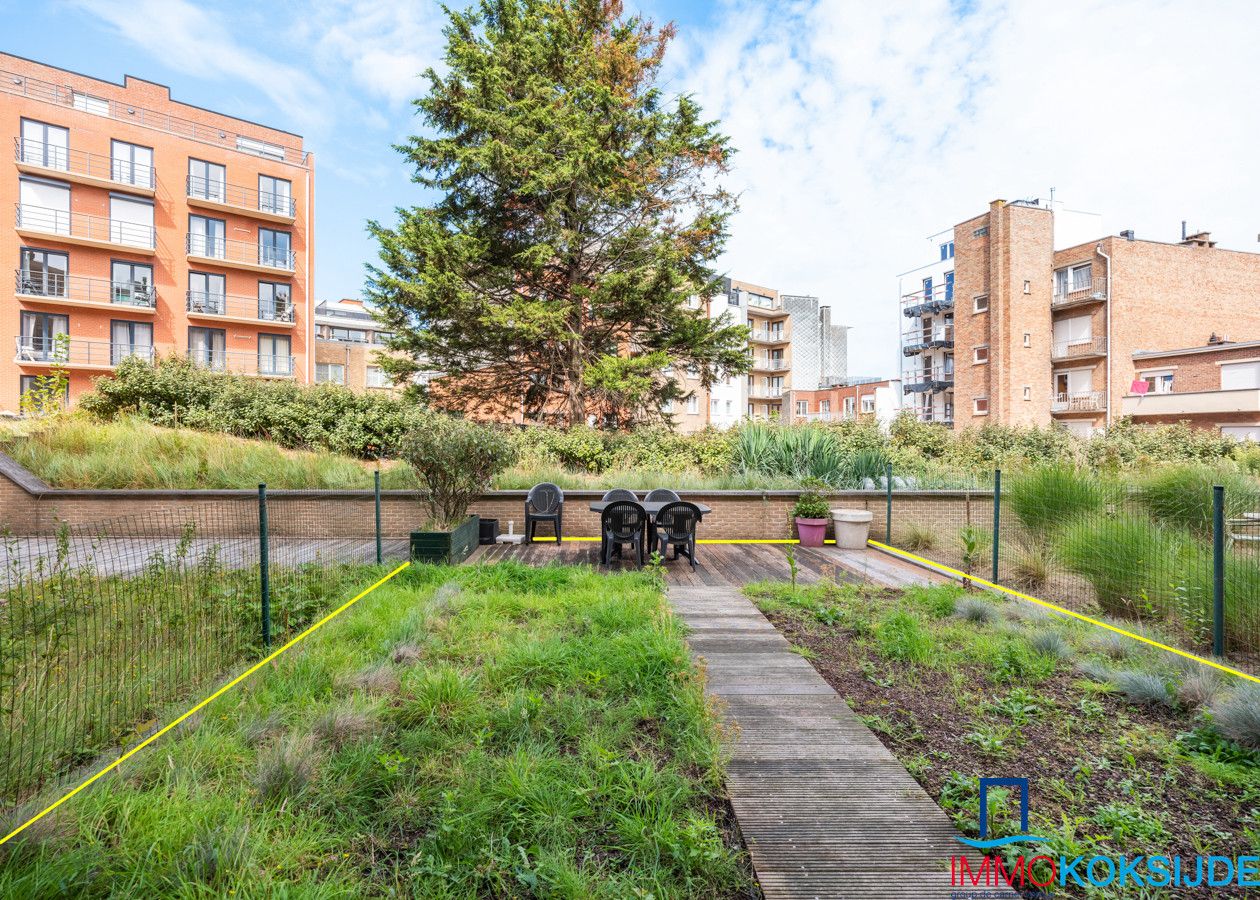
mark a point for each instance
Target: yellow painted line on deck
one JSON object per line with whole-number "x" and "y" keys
{"x": 923, "y": 561}
{"x": 220, "y": 692}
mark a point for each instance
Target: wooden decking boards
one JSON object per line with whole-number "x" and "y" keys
{"x": 825, "y": 809}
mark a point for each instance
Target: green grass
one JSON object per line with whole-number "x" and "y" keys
{"x": 474, "y": 732}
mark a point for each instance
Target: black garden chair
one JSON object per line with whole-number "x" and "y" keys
{"x": 545, "y": 503}
{"x": 620, "y": 494}
{"x": 622, "y": 522}
{"x": 676, "y": 526}
{"x": 661, "y": 495}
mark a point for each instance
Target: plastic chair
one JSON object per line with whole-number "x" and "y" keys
{"x": 622, "y": 522}
{"x": 545, "y": 503}
{"x": 661, "y": 495}
{"x": 676, "y": 527}
{"x": 620, "y": 494}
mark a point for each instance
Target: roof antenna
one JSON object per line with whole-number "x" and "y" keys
{"x": 1183, "y": 229}
{"x": 1052, "y": 199}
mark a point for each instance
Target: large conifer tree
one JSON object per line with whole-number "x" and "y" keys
{"x": 578, "y": 209}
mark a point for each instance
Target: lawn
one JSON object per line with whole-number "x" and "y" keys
{"x": 482, "y": 731}
{"x": 1128, "y": 750}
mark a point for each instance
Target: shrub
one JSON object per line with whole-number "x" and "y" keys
{"x": 974, "y": 541}
{"x": 1238, "y": 716}
{"x": 1047, "y": 496}
{"x": 1121, "y": 557}
{"x": 811, "y": 505}
{"x": 456, "y": 460}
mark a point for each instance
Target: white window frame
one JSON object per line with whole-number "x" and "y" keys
{"x": 980, "y": 355}
{"x": 976, "y": 406}
{"x": 1159, "y": 380}
{"x": 980, "y": 304}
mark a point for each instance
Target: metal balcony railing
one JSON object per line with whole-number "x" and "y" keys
{"x": 240, "y": 252}
{"x": 80, "y": 162}
{"x": 81, "y": 289}
{"x": 919, "y": 339}
{"x": 76, "y": 225}
{"x": 931, "y": 414}
{"x": 67, "y": 98}
{"x": 916, "y": 303}
{"x": 242, "y": 362}
{"x": 757, "y": 301}
{"x": 1079, "y": 401}
{"x": 1079, "y": 293}
{"x": 765, "y": 393}
{"x": 930, "y": 378}
{"x": 234, "y": 306}
{"x": 768, "y": 335}
{"x": 77, "y": 352}
{"x": 239, "y": 195}
{"x": 1079, "y": 349}
{"x": 769, "y": 364}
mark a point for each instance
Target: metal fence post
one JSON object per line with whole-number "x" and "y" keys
{"x": 888, "y": 511}
{"x": 1218, "y": 570}
{"x": 264, "y": 566}
{"x": 997, "y": 518}
{"x": 378, "y": 516}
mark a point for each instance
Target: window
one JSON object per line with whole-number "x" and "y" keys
{"x": 667, "y": 406}
{"x": 824, "y": 406}
{"x": 259, "y": 148}
{"x": 43, "y": 206}
{"x": 131, "y": 164}
{"x": 344, "y": 335}
{"x": 376, "y": 377}
{"x": 273, "y": 249}
{"x": 1027, "y": 392}
{"x": 980, "y": 354}
{"x": 693, "y": 404}
{"x": 868, "y": 403}
{"x": 980, "y": 304}
{"x": 981, "y": 231}
{"x": 43, "y": 273}
{"x": 207, "y": 180}
{"x": 275, "y": 195}
{"x": 39, "y": 335}
{"x": 947, "y": 250}
{"x": 730, "y": 407}
{"x": 1027, "y": 338}
{"x": 849, "y": 405}
{"x": 1074, "y": 332}
{"x": 1237, "y": 376}
{"x": 97, "y": 106}
{"x": 1073, "y": 383}
{"x": 1237, "y": 432}
{"x": 927, "y": 288}
{"x": 44, "y": 145}
{"x": 131, "y": 221}
{"x": 949, "y": 287}
{"x": 1060, "y": 282}
{"x": 130, "y": 339}
{"x": 131, "y": 283}
{"x": 208, "y": 347}
{"x": 713, "y": 407}
{"x": 802, "y": 407}
{"x": 1082, "y": 277}
{"x": 1027, "y": 286}
{"x": 275, "y": 355}
{"x": 207, "y": 293}
{"x": 29, "y": 383}
{"x": 1160, "y": 382}
{"x": 980, "y": 406}
{"x": 273, "y": 302}
{"x": 207, "y": 237}
{"x": 335, "y": 373}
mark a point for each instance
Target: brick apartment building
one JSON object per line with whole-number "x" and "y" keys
{"x": 1215, "y": 386}
{"x": 858, "y": 398}
{"x": 144, "y": 226}
{"x": 1033, "y": 328}
{"x": 348, "y": 339}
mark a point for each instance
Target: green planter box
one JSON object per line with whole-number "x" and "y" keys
{"x": 452, "y": 546}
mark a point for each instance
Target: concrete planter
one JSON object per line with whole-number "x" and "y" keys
{"x": 812, "y": 532}
{"x": 452, "y": 547}
{"x": 853, "y": 527}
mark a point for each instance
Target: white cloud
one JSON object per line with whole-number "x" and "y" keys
{"x": 863, "y": 128}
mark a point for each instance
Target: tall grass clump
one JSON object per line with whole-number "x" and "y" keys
{"x": 1046, "y": 497}
{"x": 1129, "y": 560}
{"x": 1182, "y": 495}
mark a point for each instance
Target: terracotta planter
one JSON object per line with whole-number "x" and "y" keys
{"x": 812, "y": 532}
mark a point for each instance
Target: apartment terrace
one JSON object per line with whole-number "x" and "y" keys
{"x": 88, "y": 231}
{"x": 235, "y": 198}
{"x": 79, "y": 290}
{"x": 247, "y": 255}
{"x": 916, "y": 303}
{"x": 1078, "y": 296}
{"x": 927, "y": 379}
{"x": 75, "y": 353}
{"x": 933, "y": 337}
{"x": 236, "y": 308}
{"x": 1078, "y": 402}
{"x": 1087, "y": 349}
{"x": 79, "y": 166}
{"x": 243, "y": 362}
{"x": 769, "y": 336}
{"x": 1189, "y": 403}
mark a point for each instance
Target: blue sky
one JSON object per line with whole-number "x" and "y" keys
{"x": 862, "y": 128}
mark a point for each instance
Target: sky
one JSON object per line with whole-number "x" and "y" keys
{"x": 861, "y": 128}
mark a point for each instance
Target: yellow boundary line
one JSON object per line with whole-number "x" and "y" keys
{"x": 220, "y": 692}
{"x": 1059, "y": 609}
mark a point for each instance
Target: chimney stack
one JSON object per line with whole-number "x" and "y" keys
{"x": 1198, "y": 239}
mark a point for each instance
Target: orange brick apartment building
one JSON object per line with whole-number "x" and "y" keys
{"x": 1031, "y": 334}
{"x": 143, "y": 226}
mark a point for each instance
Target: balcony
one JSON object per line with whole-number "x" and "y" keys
{"x": 929, "y": 380}
{"x": 768, "y": 336}
{"x": 77, "y": 290}
{"x": 39, "y": 222}
{"x": 235, "y": 198}
{"x": 931, "y": 338}
{"x": 918, "y": 302}
{"x": 242, "y": 362}
{"x": 80, "y": 167}
{"x": 1079, "y": 402}
{"x": 765, "y": 393}
{"x": 1077, "y": 295}
{"x": 934, "y": 416}
{"x": 1189, "y": 403}
{"x": 1090, "y": 348}
{"x": 239, "y": 255}
{"x": 768, "y": 364}
{"x": 759, "y": 304}
{"x": 233, "y": 308}
{"x": 75, "y": 353}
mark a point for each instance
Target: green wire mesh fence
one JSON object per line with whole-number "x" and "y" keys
{"x": 104, "y": 625}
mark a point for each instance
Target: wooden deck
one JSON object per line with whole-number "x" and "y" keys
{"x": 825, "y": 809}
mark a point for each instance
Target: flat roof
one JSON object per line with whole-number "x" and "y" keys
{"x": 1206, "y": 348}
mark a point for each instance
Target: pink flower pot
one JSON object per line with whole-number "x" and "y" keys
{"x": 812, "y": 532}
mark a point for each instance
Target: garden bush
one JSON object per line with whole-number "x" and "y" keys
{"x": 1127, "y": 558}
{"x": 1048, "y": 496}
{"x": 456, "y": 460}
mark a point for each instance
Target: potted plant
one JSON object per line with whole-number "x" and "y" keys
{"x": 456, "y": 460}
{"x": 812, "y": 512}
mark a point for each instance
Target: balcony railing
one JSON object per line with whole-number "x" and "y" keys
{"x": 1079, "y": 349}
{"x": 239, "y": 195}
{"x": 75, "y": 352}
{"x": 237, "y": 307}
{"x": 1080, "y": 293}
{"x": 242, "y": 362}
{"x": 80, "y": 162}
{"x": 92, "y": 228}
{"x": 769, "y": 364}
{"x": 929, "y": 379}
{"x": 768, "y": 335}
{"x": 916, "y": 303}
{"x": 920, "y": 339}
{"x": 1079, "y": 401}
{"x": 765, "y": 393}
{"x": 80, "y": 289}
{"x": 250, "y": 254}
{"x": 66, "y": 97}
{"x": 759, "y": 302}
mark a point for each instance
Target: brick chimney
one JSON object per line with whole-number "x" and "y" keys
{"x": 1199, "y": 239}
